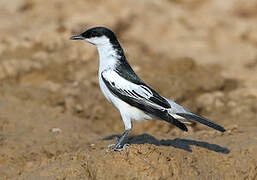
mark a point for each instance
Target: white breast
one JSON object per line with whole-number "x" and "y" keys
{"x": 108, "y": 58}
{"x": 123, "y": 107}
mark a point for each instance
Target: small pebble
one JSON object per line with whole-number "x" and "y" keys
{"x": 56, "y": 130}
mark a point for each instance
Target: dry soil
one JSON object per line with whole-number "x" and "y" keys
{"x": 55, "y": 123}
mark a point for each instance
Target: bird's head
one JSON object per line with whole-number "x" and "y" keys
{"x": 97, "y": 36}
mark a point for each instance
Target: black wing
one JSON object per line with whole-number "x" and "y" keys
{"x": 125, "y": 71}
{"x": 139, "y": 96}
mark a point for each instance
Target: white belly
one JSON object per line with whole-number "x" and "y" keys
{"x": 130, "y": 111}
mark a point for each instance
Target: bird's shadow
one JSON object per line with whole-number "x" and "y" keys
{"x": 176, "y": 143}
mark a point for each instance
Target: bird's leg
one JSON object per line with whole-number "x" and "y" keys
{"x": 119, "y": 146}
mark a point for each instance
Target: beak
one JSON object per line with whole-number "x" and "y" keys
{"x": 78, "y": 37}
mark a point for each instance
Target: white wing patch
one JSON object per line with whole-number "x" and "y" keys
{"x": 125, "y": 87}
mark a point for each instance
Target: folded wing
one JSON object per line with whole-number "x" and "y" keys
{"x": 140, "y": 96}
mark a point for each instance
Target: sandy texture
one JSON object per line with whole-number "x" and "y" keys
{"x": 55, "y": 123}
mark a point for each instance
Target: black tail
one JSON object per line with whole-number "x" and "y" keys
{"x": 173, "y": 121}
{"x": 202, "y": 120}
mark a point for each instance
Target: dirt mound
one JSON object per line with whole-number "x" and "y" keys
{"x": 56, "y": 124}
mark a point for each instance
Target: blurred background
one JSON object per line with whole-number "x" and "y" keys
{"x": 54, "y": 119}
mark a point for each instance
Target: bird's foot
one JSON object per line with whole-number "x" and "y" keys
{"x": 117, "y": 147}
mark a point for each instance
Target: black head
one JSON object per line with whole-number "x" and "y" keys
{"x": 97, "y": 35}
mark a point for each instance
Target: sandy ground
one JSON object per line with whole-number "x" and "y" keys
{"x": 55, "y": 123}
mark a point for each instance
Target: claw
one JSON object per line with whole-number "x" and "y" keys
{"x": 126, "y": 146}
{"x": 118, "y": 146}
{"x": 114, "y": 147}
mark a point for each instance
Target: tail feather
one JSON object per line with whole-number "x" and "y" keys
{"x": 174, "y": 121}
{"x": 202, "y": 120}
{"x": 179, "y": 124}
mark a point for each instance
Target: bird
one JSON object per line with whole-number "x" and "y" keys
{"x": 134, "y": 99}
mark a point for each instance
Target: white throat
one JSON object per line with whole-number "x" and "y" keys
{"x": 108, "y": 56}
